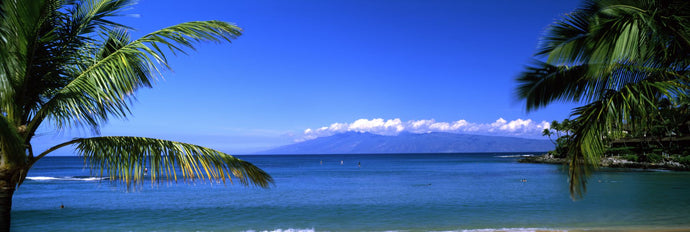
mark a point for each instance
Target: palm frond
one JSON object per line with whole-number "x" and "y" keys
{"x": 125, "y": 158}
{"x": 566, "y": 41}
{"x": 599, "y": 120}
{"x": 619, "y": 57}
{"x": 104, "y": 86}
{"x": 543, "y": 83}
{"x": 609, "y": 32}
{"x": 11, "y": 144}
{"x": 91, "y": 15}
{"x": 19, "y": 28}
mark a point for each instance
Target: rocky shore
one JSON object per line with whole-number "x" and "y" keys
{"x": 611, "y": 162}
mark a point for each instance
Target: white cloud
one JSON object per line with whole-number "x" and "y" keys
{"x": 518, "y": 127}
{"x": 377, "y": 126}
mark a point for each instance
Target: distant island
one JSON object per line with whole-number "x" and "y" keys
{"x": 436, "y": 142}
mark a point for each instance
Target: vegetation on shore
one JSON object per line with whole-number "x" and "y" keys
{"x": 661, "y": 145}
{"x": 67, "y": 64}
{"x": 613, "y": 162}
{"x": 628, "y": 62}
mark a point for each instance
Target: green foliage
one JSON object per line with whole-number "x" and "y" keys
{"x": 627, "y": 62}
{"x": 562, "y": 131}
{"x": 652, "y": 158}
{"x": 627, "y": 150}
{"x": 69, "y": 64}
{"x": 124, "y": 158}
{"x": 631, "y": 157}
{"x": 684, "y": 160}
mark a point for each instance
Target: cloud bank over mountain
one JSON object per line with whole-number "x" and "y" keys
{"x": 379, "y": 126}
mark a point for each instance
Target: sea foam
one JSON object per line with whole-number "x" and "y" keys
{"x": 66, "y": 178}
{"x": 284, "y": 230}
{"x": 514, "y": 156}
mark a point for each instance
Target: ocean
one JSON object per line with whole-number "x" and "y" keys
{"x": 363, "y": 192}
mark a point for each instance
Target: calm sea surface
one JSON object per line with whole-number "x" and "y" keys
{"x": 394, "y": 192}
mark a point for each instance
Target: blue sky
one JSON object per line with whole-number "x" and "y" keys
{"x": 310, "y": 68}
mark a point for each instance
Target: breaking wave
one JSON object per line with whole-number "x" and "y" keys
{"x": 66, "y": 178}
{"x": 515, "y": 156}
{"x": 283, "y": 230}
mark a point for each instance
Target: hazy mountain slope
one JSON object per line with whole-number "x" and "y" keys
{"x": 353, "y": 142}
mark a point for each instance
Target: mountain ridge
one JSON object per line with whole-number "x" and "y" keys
{"x": 435, "y": 142}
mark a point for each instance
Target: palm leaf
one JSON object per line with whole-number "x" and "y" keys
{"x": 65, "y": 62}
{"x": 18, "y": 24}
{"x": 124, "y": 158}
{"x": 599, "y": 120}
{"x": 609, "y": 32}
{"x": 105, "y": 85}
{"x": 544, "y": 83}
{"x": 619, "y": 58}
{"x": 566, "y": 41}
{"x": 40, "y": 40}
{"x": 11, "y": 144}
{"x": 90, "y": 15}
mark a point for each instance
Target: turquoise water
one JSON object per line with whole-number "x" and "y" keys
{"x": 400, "y": 192}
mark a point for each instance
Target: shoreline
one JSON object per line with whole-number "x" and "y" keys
{"x": 610, "y": 162}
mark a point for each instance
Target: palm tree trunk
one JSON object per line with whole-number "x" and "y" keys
{"x": 5, "y": 208}
{"x": 7, "y": 188}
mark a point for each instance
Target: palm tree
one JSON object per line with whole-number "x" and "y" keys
{"x": 65, "y": 64}
{"x": 618, "y": 57}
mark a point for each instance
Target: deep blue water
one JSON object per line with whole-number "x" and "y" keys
{"x": 394, "y": 192}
